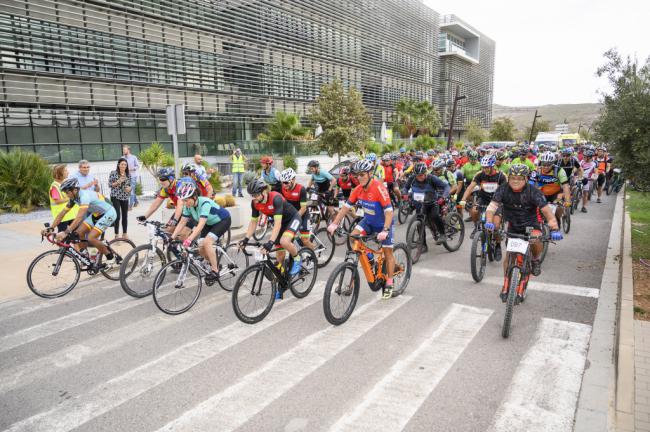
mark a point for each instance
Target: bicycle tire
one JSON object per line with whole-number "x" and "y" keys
{"x": 415, "y": 239}
{"x": 260, "y": 230}
{"x": 545, "y": 235}
{"x": 35, "y": 287}
{"x": 119, "y": 248}
{"x": 258, "y": 271}
{"x": 230, "y": 268}
{"x": 132, "y": 277}
{"x": 348, "y": 242}
{"x": 324, "y": 256}
{"x": 351, "y": 292}
{"x": 341, "y": 234}
{"x": 159, "y": 282}
{"x": 454, "y": 225}
{"x": 477, "y": 257}
{"x": 566, "y": 221}
{"x": 404, "y": 212}
{"x": 308, "y": 259}
{"x": 407, "y": 267}
{"x": 513, "y": 282}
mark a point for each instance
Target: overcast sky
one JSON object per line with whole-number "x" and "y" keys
{"x": 547, "y": 52}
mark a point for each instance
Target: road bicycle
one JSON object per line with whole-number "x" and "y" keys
{"x": 483, "y": 246}
{"x": 342, "y": 287}
{"x": 178, "y": 284}
{"x": 255, "y": 289}
{"x": 345, "y": 227}
{"x": 56, "y": 272}
{"x": 264, "y": 223}
{"x": 324, "y": 245}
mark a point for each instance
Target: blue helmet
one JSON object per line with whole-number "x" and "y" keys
{"x": 402, "y": 150}
{"x": 488, "y": 161}
{"x": 371, "y": 157}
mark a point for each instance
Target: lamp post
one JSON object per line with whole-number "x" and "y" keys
{"x": 453, "y": 115}
{"x": 532, "y": 129}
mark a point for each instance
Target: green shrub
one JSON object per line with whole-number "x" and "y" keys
{"x": 155, "y": 157}
{"x": 248, "y": 176}
{"x": 254, "y": 164}
{"x": 290, "y": 162}
{"x": 424, "y": 142}
{"x": 215, "y": 181}
{"x": 25, "y": 179}
{"x": 138, "y": 188}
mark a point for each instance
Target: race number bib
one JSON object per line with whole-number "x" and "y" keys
{"x": 314, "y": 197}
{"x": 418, "y": 196}
{"x": 490, "y": 187}
{"x": 517, "y": 245}
{"x": 360, "y": 212}
{"x": 258, "y": 256}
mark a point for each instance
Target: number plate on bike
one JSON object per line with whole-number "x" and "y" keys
{"x": 359, "y": 212}
{"x": 258, "y": 256}
{"x": 553, "y": 207}
{"x": 341, "y": 204}
{"x": 314, "y": 197}
{"x": 517, "y": 245}
{"x": 418, "y": 196}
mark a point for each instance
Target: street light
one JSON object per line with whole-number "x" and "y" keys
{"x": 453, "y": 115}
{"x": 532, "y": 129}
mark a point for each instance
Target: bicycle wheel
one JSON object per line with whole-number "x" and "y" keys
{"x": 323, "y": 246}
{"x": 303, "y": 281}
{"x": 513, "y": 282}
{"x": 253, "y": 295}
{"x": 175, "y": 292}
{"x": 53, "y": 274}
{"x": 477, "y": 256}
{"x": 545, "y": 235}
{"x": 342, "y": 233}
{"x": 404, "y": 212}
{"x": 139, "y": 268}
{"x": 348, "y": 240}
{"x": 403, "y": 268}
{"x": 231, "y": 264}
{"x": 341, "y": 293}
{"x": 225, "y": 238}
{"x": 260, "y": 229}
{"x": 455, "y": 231}
{"x": 415, "y": 234}
{"x": 120, "y": 248}
{"x": 566, "y": 221}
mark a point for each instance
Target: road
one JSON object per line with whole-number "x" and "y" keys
{"x": 432, "y": 359}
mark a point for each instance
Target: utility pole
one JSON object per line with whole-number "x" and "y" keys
{"x": 532, "y": 129}
{"x": 453, "y": 115}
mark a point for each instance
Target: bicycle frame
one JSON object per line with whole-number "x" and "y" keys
{"x": 359, "y": 254}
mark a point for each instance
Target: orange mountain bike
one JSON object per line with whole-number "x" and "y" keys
{"x": 342, "y": 288}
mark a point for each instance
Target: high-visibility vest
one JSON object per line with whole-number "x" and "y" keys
{"x": 58, "y": 208}
{"x": 238, "y": 163}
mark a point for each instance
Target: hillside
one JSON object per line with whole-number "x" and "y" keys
{"x": 574, "y": 114}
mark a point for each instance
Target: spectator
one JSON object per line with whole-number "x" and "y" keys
{"x": 58, "y": 199}
{"x": 198, "y": 160}
{"x": 86, "y": 180}
{"x": 120, "y": 183}
{"x": 134, "y": 166}
{"x": 238, "y": 162}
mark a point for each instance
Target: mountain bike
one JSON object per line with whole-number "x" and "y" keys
{"x": 405, "y": 209}
{"x": 317, "y": 208}
{"x": 342, "y": 287}
{"x": 345, "y": 227}
{"x": 483, "y": 246}
{"x": 56, "y": 272}
{"x": 616, "y": 182}
{"x": 576, "y": 195}
{"x": 254, "y": 292}
{"x": 178, "y": 284}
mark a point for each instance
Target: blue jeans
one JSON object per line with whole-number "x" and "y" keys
{"x": 237, "y": 180}
{"x": 133, "y": 199}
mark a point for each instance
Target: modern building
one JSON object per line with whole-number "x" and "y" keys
{"x": 81, "y": 78}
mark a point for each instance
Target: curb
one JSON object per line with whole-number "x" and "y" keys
{"x": 596, "y": 406}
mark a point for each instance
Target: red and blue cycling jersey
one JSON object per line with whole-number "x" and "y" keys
{"x": 374, "y": 200}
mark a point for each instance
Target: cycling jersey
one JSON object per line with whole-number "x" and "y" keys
{"x": 95, "y": 202}
{"x": 431, "y": 185}
{"x": 569, "y": 166}
{"x": 274, "y": 206}
{"x": 488, "y": 184}
{"x": 374, "y": 200}
{"x": 550, "y": 183}
{"x": 169, "y": 192}
{"x": 448, "y": 177}
{"x": 297, "y": 196}
{"x": 588, "y": 168}
{"x": 471, "y": 169}
{"x": 504, "y": 168}
{"x": 206, "y": 208}
{"x": 346, "y": 185}
{"x": 388, "y": 173}
{"x": 322, "y": 180}
{"x": 520, "y": 208}
{"x": 271, "y": 177}
{"x": 201, "y": 179}
{"x": 527, "y": 162}
{"x": 602, "y": 163}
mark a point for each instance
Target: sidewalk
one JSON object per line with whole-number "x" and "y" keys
{"x": 22, "y": 243}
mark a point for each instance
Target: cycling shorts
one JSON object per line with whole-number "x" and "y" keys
{"x": 522, "y": 229}
{"x": 601, "y": 179}
{"x": 367, "y": 229}
{"x": 217, "y": 230}
{"x": 289, "y": 227}
{"x": 305, "y": 225}
{"x": 105, "y": 221}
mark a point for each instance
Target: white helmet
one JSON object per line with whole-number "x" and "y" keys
{"x": 548, "y": 157}
{"x": 186, "y": 190}
{"x": 287, "y": 175}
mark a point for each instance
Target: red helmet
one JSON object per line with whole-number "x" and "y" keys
{"x": 267, "y": 160}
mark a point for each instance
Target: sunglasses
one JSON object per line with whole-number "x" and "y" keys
{"x": 547, "y": 164}
{"x": 163, "y": 179}
{"x": 286, "y": 182}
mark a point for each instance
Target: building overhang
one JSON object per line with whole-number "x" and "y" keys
{"x": 460, "y": 55}
{"x": 459, "y": 29}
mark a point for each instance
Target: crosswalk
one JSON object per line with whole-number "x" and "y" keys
{"x": 544, "y": 383}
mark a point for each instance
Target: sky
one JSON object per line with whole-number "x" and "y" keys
{"x": 547, "y": 52}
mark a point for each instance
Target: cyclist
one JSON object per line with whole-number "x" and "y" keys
{"x": 345, "y": 183}
{"x": 427, "y": 184}
{"x": 470, "y": 169}
{"x": 168, "y": 190}
{"x": 520, "y": 201}
{"x": 438, "y": 170}
{"x": 199, "y": 175}
{"x": 519, "y": 157}
{"x": 377, "y": 169}
{"x": 94, "y": 215}
{"x": 389, "y": 176}
{"x": 431, "y": 156}
{"x": 552, "y": 181}
{"x": 501, "y": 164}
{"x": 570, "y": 164}
{"x": 210, "y": 222}
{"x": 378, "y": 216}
{"x": 270, "y": 174}
{"x": 603, "y": 165}
{"x": 323, "y": 181}
{"x": 287, "y": 221}
{"x": 296, "y": 195}
{"x": 488, "y": 180}
{"x": 588, "y": 166}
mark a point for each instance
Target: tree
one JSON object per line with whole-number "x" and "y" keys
{"x": 413, "y": 117}
{"x": 503, "y": 129}
{"x": 540, "y": 126}
{"x": 284, "y": 127}
{"x": 624, "y": 120}
{"x": 585, "y": 133}
{"x": 155, "y": 157}
{"x": 474, "y": 132}
{"x": 343, "y": 117}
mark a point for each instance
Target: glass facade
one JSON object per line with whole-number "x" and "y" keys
{"x": 81, "y": 78}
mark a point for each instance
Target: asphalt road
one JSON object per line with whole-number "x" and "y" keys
{"x": 432, "y": 359}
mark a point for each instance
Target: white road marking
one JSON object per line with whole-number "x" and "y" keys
{"x": 252, "y": 393}
{"x": 534, "y": 285}
{"x": 40, "y": 368}
{"x": 400, "y": 393}
{"x": 544, "y": 390}
{"x": 69, "y": 321}
{"x": 102, "y": 398}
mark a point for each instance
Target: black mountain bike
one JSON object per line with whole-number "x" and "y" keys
{"x": 483, "y": 246}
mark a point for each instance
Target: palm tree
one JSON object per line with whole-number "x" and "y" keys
{"x": 413, "y": 117}
{"x": 286, "y": 127}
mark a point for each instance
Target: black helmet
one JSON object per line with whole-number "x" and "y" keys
{"x": 420, "y": 168}
{"x": 518, "y": 170}
{"x": 313, "y": 163}
{"x": 69, "y": 184}
{"x": 256, "y": 186}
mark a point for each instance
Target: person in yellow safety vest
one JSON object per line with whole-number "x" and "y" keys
{"x": 238, "y": 162}
{"x": 58, "y": 199}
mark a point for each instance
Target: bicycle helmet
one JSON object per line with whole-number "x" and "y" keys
{"x": 186, "y": 190}
{"x": 589, "y": 153}
{"x": 420, "y": 168}
{"x": 501, "y": 155}
{"x": 438, "y": 164}
{"x": 451, "y": 163}
{"x": 568, "y": 151}
{"x": 454, "y": 153}
{"x": 402, "y": 150}
{"x": 385, "y": 157}
{"x": 364, "y": 165}
{"x": 287, "y": 175}
{"x": 188, "y": 168}
{"x": 419, "y": 154}
{"x": 69, "y": 184}
{"x": 267, "y": 160}
{"x": 431, "y": 152}
{"x": 394, "y": 157}
{"x": 344, "y": 170}
{"x": 313, "y": 163}
{"x": 255, "y": 186}
{"x": 518, "y": 170}
{"x": 548, "y": 157}
{"x": 472, "y": 154}
{"x": 166, "y": 174}
{"x": 371, "y": 157}
{"x": 488, "y": 161}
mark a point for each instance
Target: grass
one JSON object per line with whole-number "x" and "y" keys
{"x": 638, "y": 204}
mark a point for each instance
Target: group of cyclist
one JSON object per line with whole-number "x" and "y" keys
{"x": 514, "y": 188}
